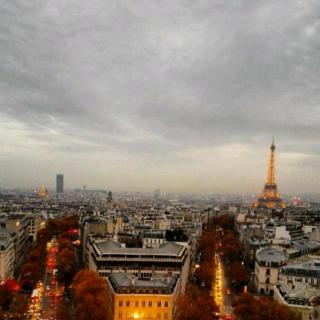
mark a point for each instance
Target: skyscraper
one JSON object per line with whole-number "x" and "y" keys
{"x": 59, "y": 183}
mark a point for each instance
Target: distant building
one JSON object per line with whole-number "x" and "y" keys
{"x": 270, "y": 197}
{"x": 42, "y": 192}
{"x": 109, "y": 197}
{"x": 133, "y": 298}
{"x": 59, "y": 183}
{"x": 7, "y": 255}
{"x": 269, "y": 260}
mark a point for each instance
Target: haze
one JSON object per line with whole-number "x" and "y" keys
{"x": 177, "y": 95}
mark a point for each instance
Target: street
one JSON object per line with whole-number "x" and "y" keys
{"x": 46, "y": 296}
{"x": 221, "y": 292}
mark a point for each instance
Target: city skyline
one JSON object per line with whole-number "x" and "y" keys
{"x": 181, "y": 97}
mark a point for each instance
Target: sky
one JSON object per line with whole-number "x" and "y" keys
{"x": 176, "y": 95}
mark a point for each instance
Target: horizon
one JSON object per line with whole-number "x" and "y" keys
{"x": 180, "y": 96}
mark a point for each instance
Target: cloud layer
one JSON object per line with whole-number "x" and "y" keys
{"x": 178, "y": 95}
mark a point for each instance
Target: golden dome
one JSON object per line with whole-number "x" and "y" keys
{"x": 42, "y": 192}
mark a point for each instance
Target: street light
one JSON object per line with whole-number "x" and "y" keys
{"x": 136, "y": 316}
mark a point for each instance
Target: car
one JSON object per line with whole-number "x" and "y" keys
{"x": 228, "y": 291}
{"x": 227, "y": 317}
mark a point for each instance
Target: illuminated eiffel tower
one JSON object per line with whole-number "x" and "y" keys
{"x": 270, "y": 197}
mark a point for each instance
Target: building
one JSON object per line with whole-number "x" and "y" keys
{"x": 297, "y": 286}
{"x": 36, "y": 223}
{"x": 132, "y": 298}
{"x": 7, "y": 256}
{"x": 106, "y": 256}
{"x": 18, "y": 223}
{"x": 59, "y": 183}
{"x": 42, "y": 192}
{"x": 270, "y": 197}
{"x": 283, "y": 233}
{"x": 153, "y": 239}
{"x": 268, "y": 262}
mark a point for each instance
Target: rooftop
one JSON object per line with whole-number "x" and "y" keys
{"x": 108, "y": 246}
{"x": 271, "y": 254}
{"x": 125, "y": 283}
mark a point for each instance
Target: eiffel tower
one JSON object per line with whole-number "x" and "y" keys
{"x": 270, "y": 197}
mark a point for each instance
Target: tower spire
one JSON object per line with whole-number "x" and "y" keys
{"x": 271, "y": 166}
{"x": 270, "y": 197}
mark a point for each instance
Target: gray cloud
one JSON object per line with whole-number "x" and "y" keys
{"x": 152, "y": 80}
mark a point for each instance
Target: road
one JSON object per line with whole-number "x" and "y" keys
{"x": 221, "y": 292}
{"x": 45, "y": 297}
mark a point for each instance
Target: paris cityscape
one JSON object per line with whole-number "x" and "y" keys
{"x": 159, "y": 160}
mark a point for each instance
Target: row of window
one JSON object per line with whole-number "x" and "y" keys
{"x": 143, "y": 304}
{"x": 121, "y": 316}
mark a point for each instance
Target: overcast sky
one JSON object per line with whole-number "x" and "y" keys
{"x": 180, "y": 95}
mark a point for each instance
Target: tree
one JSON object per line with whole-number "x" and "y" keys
{"x": 66, "y": 265}
{"x": 196, "y": 305}
{"x": 5, "y": 297}
{"x": 90, "y": 296}
{"x": 247, "y": 307}
{"x": 237, "y": 273}
{"x": 206, "y": 272}
{"x": 19, "y": 306}
{"x": 63, "y": 311}
{"x": 31, "y": 271}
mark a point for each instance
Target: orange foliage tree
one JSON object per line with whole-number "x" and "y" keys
{"x": 247, "y": 307}
{"x": 196, "y": 304}
{"x": 5, "y": 297}
{"x": 90, "y": 296}
{"x": 237, "y": 273}
{"x": 66, "y": 265}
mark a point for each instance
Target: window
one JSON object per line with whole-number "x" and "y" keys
{"x": 136, "y": 304}
{"x": 120, "y": 314}
{"x": 150, "y": 303}
{"x": 165, "y": 316}
{"x": 158, "y": 315}
{"x": 268, "y": 272}
{"x": 143, "y": 303}
{"x": 127, "y": 303}
{"x": 159, "y": 303}
{"x": 166, "y": 304}
{"x": 120, "y": 303}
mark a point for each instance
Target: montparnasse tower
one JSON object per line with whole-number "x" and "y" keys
{"x": 270, "y": 197}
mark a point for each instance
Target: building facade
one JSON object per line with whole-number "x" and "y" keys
{"x": 59, "y": 183}
{"x": 106, "y": 256}
{"x": 131, "y": 298}
{"x": 268, "y": 262}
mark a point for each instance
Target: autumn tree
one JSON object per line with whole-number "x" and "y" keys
{"x": 5, "y": 297}
{"x": 90, "y": 296}
{"x": 196, "y": 304}
{"x": 19, "y": 306}
{"x": 237, "y": 273}
{"x": 63, "y": 311}
{"x": 247, "y": 307}
{"x": 66, "y": 265}
{"x": 206, "y": 272}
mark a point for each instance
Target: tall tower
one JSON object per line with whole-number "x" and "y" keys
{"x": 59, "y": 183}
{"x": 270, "y": 197}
